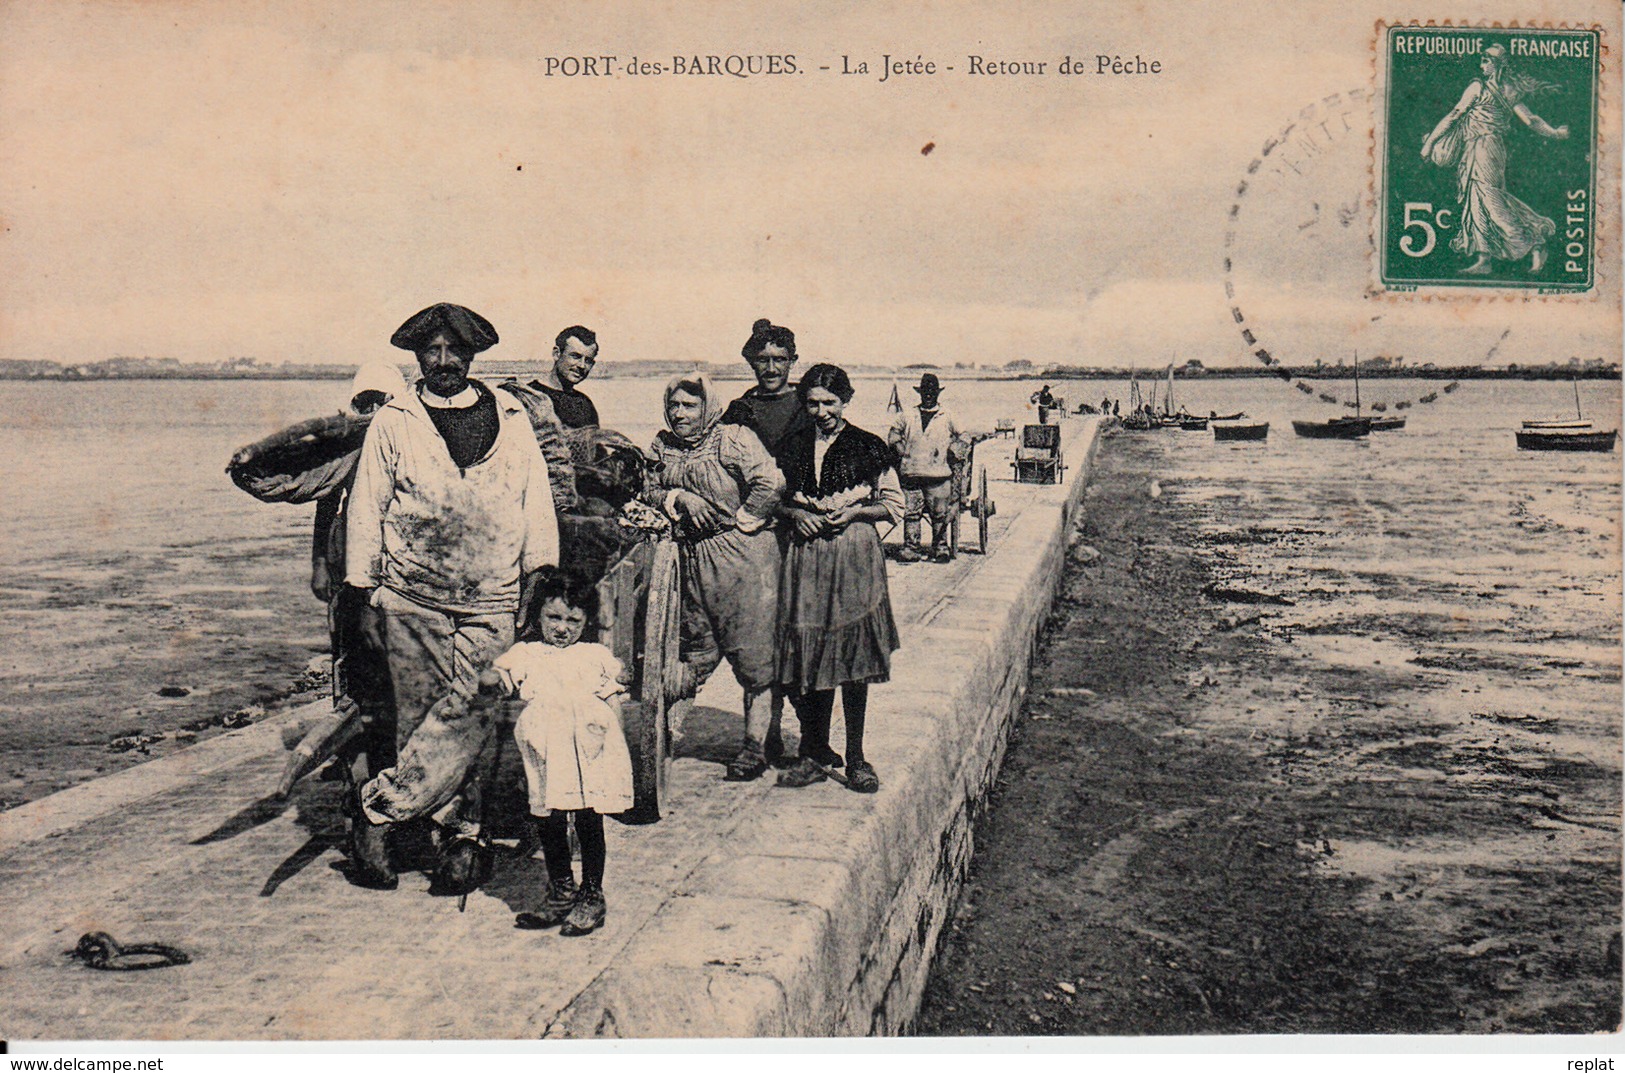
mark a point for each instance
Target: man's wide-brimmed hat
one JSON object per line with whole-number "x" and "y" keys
{"x": 929, "y": 384}
{"x": 460, "y": 325}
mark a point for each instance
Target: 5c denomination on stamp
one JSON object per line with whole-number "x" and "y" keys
{"x": 1488, "y": 158}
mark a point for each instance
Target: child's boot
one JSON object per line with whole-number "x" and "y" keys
{"x": 588, "y": 913}
{"x": 556, "y": 905}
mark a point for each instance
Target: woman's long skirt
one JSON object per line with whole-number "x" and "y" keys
{"x": 835, "y": 621}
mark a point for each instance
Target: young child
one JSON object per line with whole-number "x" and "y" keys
{"x": 569, "y": 735}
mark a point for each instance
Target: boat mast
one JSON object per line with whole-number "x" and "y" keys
{"x": 1577, "y": 414}
{"x": 1168, "y": 402}
{"x": 1356, "y": 383}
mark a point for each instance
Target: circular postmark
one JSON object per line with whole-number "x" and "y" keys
{"x": 1297, "y": 249}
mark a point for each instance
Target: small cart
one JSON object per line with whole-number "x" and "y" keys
{"x": 1038, "y": 458}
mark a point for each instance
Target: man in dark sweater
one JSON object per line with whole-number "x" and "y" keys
{"x": 774, "y": 411}
{"x": 575, "y": 352}
{"x": 771, "y": 408}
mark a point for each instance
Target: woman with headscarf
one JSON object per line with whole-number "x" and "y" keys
{"x": 1472, "y": 137}
{"x": 720, "y": 487}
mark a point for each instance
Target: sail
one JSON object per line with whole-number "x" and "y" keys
{"x": 895, "y": 406}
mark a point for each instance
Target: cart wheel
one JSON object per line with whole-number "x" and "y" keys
{"x": 647, "y": 718}
{"x": 984, "y": 507}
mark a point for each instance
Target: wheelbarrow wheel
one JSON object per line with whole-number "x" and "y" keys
{"x": 984, "y": 507}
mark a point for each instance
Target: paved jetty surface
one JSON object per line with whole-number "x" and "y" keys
{"x": 748, "y": 910}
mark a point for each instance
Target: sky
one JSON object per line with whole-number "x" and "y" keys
{"x": 290, "y": 180}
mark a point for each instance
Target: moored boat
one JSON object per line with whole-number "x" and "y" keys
{"x": 1235, "y": 431}
{"x": 1193, "y": 424}
{"x": 1387, "y": 424}
{"x": 1338, "y": 428}
{"x": 1566, "y": 439}
{"x": 1577, "y": 423}
{"x": 1342, "y": 428}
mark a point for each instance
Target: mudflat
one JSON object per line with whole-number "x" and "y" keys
{"x": 1242, "y": 798}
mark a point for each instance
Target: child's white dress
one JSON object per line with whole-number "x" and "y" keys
{"x": 569, "y": 736}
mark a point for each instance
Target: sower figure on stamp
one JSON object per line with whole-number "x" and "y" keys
{"x": 721, "y": 488}
{"x": 922, "y": 436}
{"x": 1473, "y": 138}
{"x": 450, "y": 514}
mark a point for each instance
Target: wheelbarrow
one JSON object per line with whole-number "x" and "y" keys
{"x": 977, "y": 501}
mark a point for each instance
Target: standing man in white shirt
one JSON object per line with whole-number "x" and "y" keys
{"x": 450, "y": 516}
{"x": 922, "y": 436}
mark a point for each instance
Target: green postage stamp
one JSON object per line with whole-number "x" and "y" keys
{"x": 1489, "y": 158}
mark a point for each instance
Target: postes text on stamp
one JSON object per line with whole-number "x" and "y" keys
{"x": 1488, "y": 158}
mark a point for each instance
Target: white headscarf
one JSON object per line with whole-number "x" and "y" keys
{"x": 379, "y": 375}
{"x": 711, "y": 405}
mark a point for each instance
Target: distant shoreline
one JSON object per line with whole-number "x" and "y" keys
{"x": 28, "y": 371}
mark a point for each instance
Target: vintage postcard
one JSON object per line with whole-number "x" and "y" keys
{"x": 810, "y": 519}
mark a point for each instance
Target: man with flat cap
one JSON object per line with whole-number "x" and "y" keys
{"x": 450, "y": 516}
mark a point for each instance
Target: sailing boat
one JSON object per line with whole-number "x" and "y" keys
{"x": 1338, "y": 428}
{"x": 1579, "y": 419}
{"x": 1576, "y": 435}
{"x": 1172, "y": 418}
{"x": 1138, "y": 420}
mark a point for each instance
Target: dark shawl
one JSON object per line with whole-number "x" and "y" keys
{"x": 855, "y": 457}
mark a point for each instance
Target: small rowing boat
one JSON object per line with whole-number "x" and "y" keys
{"x": 1338, "y": 428}
{"x": 1234, "y": 431}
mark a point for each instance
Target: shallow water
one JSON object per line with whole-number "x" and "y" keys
{"x": 132, "y": 563}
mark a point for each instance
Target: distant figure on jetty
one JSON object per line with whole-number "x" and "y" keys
{"x": 450, "y": 516}
{"x": 922, "y": 436}
{"x": 720, "y": 487}
{"x": 835, "y": 625}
